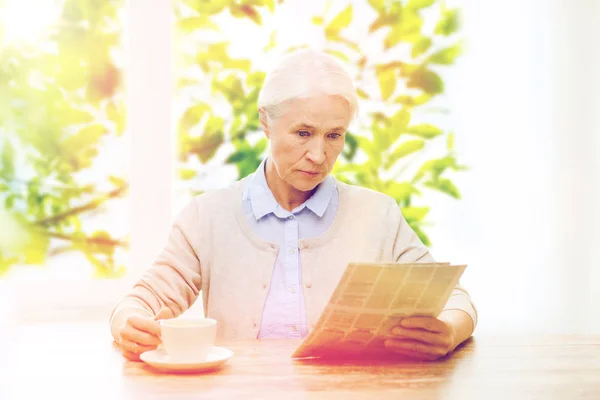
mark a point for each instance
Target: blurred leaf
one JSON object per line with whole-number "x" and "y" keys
{"x": 450, "y": 142}
{"x": 380, "y": 119}
{"x": 116, "y": 181}
{"x": 418, "y": 4}
{"x": 261, "y": 146}
{"x": 247, "y": 167}
{"x": 75, "y": 116}
{"x": 446, "y": 56}
{"x": 100, "y": 234}
{"x": 406, "y": 148}
{"x": 9, "y": 201}
{"x": 7, "y": 160}
{"x": 104, "y": 270}
{"x": 373, "y": 153}
{"x": 245, "y": 10}
{"x": 449, "y": 23}
{"x": 191, "y": 24}
{"x": 400, "y": 191}
{"x": 399, "y": 122}
{"x": 348, "y": 43}
{"x": 426, "y": 131}
{"x": 350, "y": 147}
{"x": 338, "y": 54}
{"x": 422, "y": 236}
{"x": 381, "y": 138}
{"x": 116, "y": 115}
{"x": 272, "y": 42}
{"x": 206, "y": 7}
{"x": 408, "y": 29}
{"x": 36, "y": 250}
{"x": 247, "y": 158}
{"x": 362, "y": 62}
{"x": 271, "y": 4}
{"x": 217, "y": 53}
{"x": 415, "y": 213}
{"x": 445, "y": 186}
{"x": 317, "y": 20}
{"x": 236, "y": 157}
{"x": 377, "y": 4}
{"x": 362, "y": 94}
{"x": 297, "y": 47}
{"x": 413, "y": 101}
{"x": 256, "y": 79}
{"x": 426, "y": 80}
{"x": 436, "y": 167}
{"x": 382, "y": 21}
{"x": 235, "y": 130}
{"x": 187, "y": 174}
{"x": 192, "y": 116}
{"x": 103, "y": 82}
{"x": 87, "y": 136}
{"x": 406, "y": 70}
{"x": 387, "y": 82}
{"x": 206, "y": 146}
{"x": 341, "y": 21}
{"x": 420, "y": 47}
{"x": 231, "y": 87}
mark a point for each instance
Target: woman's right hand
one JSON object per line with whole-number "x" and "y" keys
{"x": 141, "y": 333}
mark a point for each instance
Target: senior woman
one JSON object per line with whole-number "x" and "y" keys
{"x": 268, "y": 251}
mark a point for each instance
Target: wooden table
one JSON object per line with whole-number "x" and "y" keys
{"x": 71, "y": 361}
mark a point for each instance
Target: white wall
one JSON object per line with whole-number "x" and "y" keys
{"x": 523, "y": 98}
{"x": 149, "y": 90}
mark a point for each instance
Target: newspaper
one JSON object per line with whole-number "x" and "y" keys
{"x": 371, "y": 298}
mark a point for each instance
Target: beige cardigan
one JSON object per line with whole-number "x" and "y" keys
{"x": 212, "y": 249}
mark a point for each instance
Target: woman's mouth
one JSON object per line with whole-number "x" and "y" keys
{"x": 310, "y": 173}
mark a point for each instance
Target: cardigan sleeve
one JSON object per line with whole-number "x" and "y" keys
{"x": 409, "y": 248}
{"x": 174, "y": 279}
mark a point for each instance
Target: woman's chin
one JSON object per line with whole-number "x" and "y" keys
{"x": 306, "y": 184}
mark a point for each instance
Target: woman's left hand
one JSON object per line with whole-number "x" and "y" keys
{"x": 422, "y": 338}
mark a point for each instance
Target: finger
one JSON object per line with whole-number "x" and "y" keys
{"x": 438, "y": 339}
{"x": 417, "y": 355}
{"x": 130, "y": 356}
{"x": 131, "y": 347}
{"x": 415, "y": 347}
{"x": 144, "y": 324}
{"x": 164, "y": 313}
{"x": 428, "y": 323}
{"x": 140, "y": 337}
{"x": 414, "y": 355}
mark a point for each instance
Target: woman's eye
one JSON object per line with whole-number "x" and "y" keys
{"x": 334, "y": 135}
{"x": 304, "y": 133}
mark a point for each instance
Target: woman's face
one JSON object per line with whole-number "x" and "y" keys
{"x": 307, "y": 139}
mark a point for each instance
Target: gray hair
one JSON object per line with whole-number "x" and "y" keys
{"x": 305, "y": 73}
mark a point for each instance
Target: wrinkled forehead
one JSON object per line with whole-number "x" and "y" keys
{"x": 316, "y": 112}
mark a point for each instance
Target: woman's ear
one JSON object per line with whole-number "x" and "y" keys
{"x": 262, "y": 115}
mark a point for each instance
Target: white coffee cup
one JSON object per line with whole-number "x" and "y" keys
{"x": 188, "y": 339}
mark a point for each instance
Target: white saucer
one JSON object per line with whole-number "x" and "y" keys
{"x": 159, "y": 359}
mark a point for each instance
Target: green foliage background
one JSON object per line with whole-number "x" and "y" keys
{"x": 382, "y": 152}
{"x": 60, "y": 99}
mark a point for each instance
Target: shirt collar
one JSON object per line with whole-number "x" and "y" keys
{"x": 263, "y": 202}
